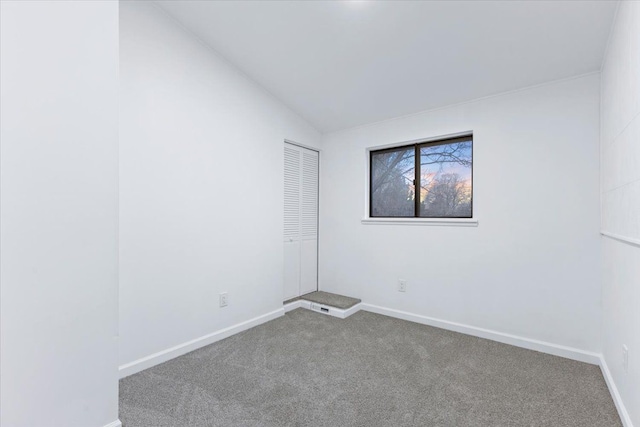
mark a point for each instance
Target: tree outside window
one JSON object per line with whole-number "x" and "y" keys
{"x": 441, "y": 171}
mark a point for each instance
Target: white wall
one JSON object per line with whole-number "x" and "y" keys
{"x": 59, "y": 193}
{"x": 201, "y": 174}
{"x": 531, "y": 268}
{"x": 620, "y": 186}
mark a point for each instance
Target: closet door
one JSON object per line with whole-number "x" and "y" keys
{"x": 292, "y": 181}
{"x": 309, "y": 223}
{"x": 301, "y": 173}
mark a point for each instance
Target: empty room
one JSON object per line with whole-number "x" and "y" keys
{"x": 319, "y": 213}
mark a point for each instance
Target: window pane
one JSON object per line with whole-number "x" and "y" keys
{"x": 445, "y": 180}
{"x": 392, "y": 189}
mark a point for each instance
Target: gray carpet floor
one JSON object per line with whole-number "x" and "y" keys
{"x": 327, "y": 298}
{"x": 310, "y": 369}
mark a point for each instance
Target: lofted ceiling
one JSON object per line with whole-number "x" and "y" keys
{"x": 341, "y": 64}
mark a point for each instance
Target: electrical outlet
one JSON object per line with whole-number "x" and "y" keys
{"x": 224, "y": 299}
{"x": 402, "y": 285}
{"x": 625, "y": 357}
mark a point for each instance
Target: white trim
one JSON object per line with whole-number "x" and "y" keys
{"x": 116, "y": 423}
{"x": 329, "y": 310}
{"x": 322, "y": 308}
{"x": 297, "y": 144}
{"x": 178, "y": 350}
{"x": 530, "y": 344}
{"x": 629, "y": 240}
{"x": 613, "y": 390}
{"x": 292, "y": 306}
{"x": 518, "y": 341}
{"x": 455, "y": 222}
{"x": 349, "y": 311}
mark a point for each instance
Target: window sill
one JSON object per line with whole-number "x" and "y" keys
{"x": 449, "y": 222}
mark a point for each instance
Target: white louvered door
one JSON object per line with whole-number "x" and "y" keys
{"x": 292, "y": 181}
{"x": 301, "y": 173}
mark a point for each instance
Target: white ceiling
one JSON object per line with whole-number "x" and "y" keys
{"x": 345, "y": 63}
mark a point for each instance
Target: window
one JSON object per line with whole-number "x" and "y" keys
{"x": 442, "y": 170}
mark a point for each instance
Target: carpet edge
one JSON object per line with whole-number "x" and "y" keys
{"x": 165, "y": 355}
{"x": 515, "y": 340}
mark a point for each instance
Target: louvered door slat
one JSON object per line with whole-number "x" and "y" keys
{"x": 292, "y": 175}
{"x": 309, "y": 208}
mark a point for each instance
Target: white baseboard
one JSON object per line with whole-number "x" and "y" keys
{"x": 116, "y": 423}
{"x": 330, "y": 311}
{"x": 292, "y": 306}
{"x": 321, "y": 308}
{"x": 528, "y": 343}
{"x": 170, "y": 353}
{"x": 531, "y": 344}
{"x": 348, "y": 312}
{"x": 622, "y": 410}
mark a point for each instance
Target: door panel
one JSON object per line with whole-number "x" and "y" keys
{"x": 308, "y": 266}
{"x": 291, "y": 270}
{"x": 309, "y": 195}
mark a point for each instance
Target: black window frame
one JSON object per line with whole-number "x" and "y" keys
{"x": 417, "y": 146}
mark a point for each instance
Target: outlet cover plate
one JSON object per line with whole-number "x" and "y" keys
{"x": 224, "y": 299}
